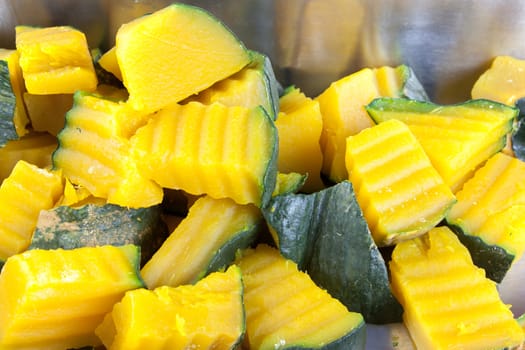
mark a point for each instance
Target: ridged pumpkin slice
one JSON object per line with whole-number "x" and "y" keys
{"x": 457, "y": 138}
{"x": 13, "y": 116}
{"x": 254, "y": 85}
{"x": 400, "y": 192}
{"x": 286, "y": 309}
{"x": 225, "y": 152}
{"x": 448, "y": 301}
{"x": 54, "y": 299}
{"x": 94, "y": 152}
{"x": 488, "y": 216}
{"x": 300, "y": 124}
{"x": 205, "y": 241}
{"x": 23, "y": 194}
{"x": 34, "y": 148}
{"x": 74, "y": 227}
{"x": 325, "y": 234}
{"x": 342, "y": 107}
{"x": 207, "y": 315}
{"x": 174, "y": 53}
{"x": 55, "y": 60}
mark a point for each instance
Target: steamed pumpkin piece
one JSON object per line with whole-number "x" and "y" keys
{"x": 205, "y": 241}
{"x": 457, "y": 138}
{"x": 503, "y": 82}
{"x": 326, "y": 235}
{"x": 54, "y": 299}
{"x": 342, "y": 107}
{"x": 225, "y": 152}
{"x": 488, "y": 216}
{"x": 55, "y": 60}
{"x": 400, "y": 192}
{"x": 174, "y": 53}
{"x": 34, "y": 148}
{"x": 47, "y": 112}
{"x": 448, "y": 301}
{"x": 254, "y": 85}
{"x": 108, "y": 61}
{"x": 23, "y": 194}
{"x": 207, "y": 315}
{"x": 13, "y": 117}
{"x": 70, "y": 227}
{"x": 285, "y": 309}
{"x": 94, "y": 152}
{"x": 300, "y": 124}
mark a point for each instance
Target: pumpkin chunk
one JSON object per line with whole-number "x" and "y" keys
{"x": 285, "y": 308}
{"x": 54, "y": 299}
{"x": 225, "y": 152}
{"x": 173, "y": 53}
{"x": 206, "y": 240}
{"x": 457, "y": 138}
{"x": 23, "y": 194}
{"x": 207, "y": 315}
{"x": 55, "y": 60}
{"x": 94, "y": 152}
{"x": 488, "y": 215}
{"x": 300, "y": 124}
{"x": 342, "y": 107}
{"x": 401, "y": 193}
{"x": 448, "y": 301}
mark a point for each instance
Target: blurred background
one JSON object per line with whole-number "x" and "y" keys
{"x": 314, "y": 42}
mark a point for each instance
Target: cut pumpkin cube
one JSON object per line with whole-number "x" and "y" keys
{"x": 448, "y": 302}
{"x": 205, "y": 241}
{"x": 23, "y": 194}
{"x": 173, "y": 53}
{"x": 286, "y": 309}
{"x": 400, "y": 192}
{"x": 225, "y": 152}
{"x": 457, "y": 138}
{"x": 54, "y": 299}
{"x": 342, "y": 107}
{"x": 488, "y": 215}
{"x": 94, "y": 152}
{"x": 55, "y": 60}
{"x": 207, "y": 315}
{"x": 300, "y": 124}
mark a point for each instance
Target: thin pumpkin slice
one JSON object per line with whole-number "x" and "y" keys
{"x": 174, "y": 53}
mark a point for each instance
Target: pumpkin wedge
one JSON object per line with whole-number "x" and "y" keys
{"x": 221, "y": 151}
{"x": 94, "y": 153}
{"x": 173, "y": 53}
{"x": 342, "y": 107}
{"x": 205, "y": 241}
{"x": 488, "y": 215}
{"x": 54, "y": 299}
{"x": 448, "y": 301}
{"x": 55, "y": 60}
{"x": 285, "y": 309}
{"x": 401, "y": 194}
{"x": 457, "y": 138}
{"x": 23, "y": 194}
{"x": 300, "y": 124}
{"x": 207, "y": 315}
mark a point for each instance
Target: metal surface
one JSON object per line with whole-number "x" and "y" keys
{"x": 313, "y": 42}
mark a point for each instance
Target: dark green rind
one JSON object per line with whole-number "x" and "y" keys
{"x": 270, "y": 81}
{"x": 326, "y": 234}
{"x": 227, "y": 253}
{"x": 7, "y": 106}
{"x": 238, "y": 345}
{"x": 495, "y": 260}
{"x": 518, "y": 134}
{"x": 134, "y": 253}
{"x": 355, "y": 340}
{"x": 379, "y": 106}
{"x": 412, "y": 87}
{"x": 93, "y": 225}
{"x": 270, "y": 176}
